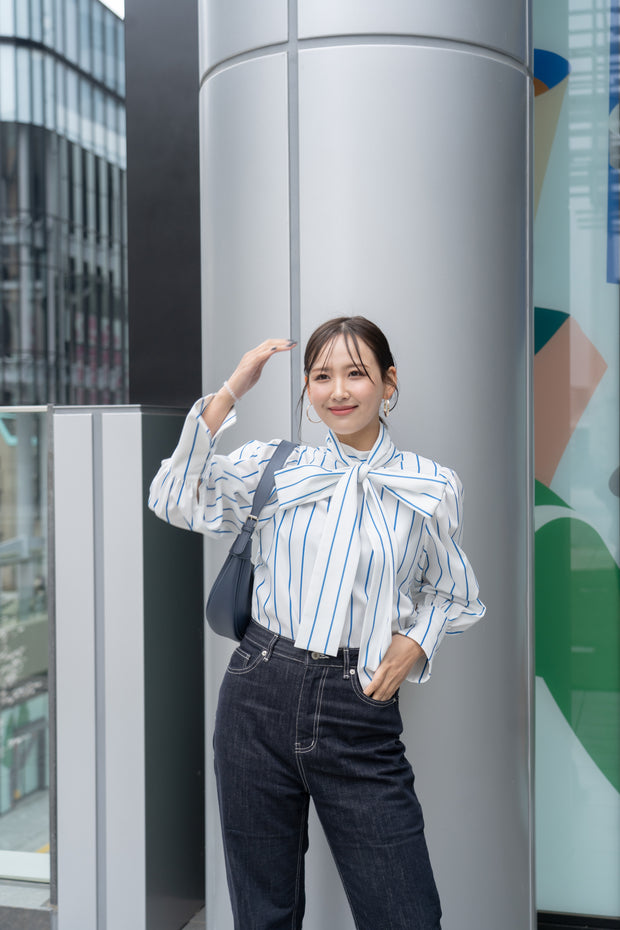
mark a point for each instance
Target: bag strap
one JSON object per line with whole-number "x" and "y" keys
{"x": 266, "y": 484}
{"x": 261, "y": 496}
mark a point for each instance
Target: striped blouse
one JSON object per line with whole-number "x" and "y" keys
{"x": 351, "y": 547}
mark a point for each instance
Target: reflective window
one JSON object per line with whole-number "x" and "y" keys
{"x": 97, "y": 40}
{"x": 73, "y": 106}
{"x": 7, "y": 17}
{"x": 36, "y": 20}
{"x": 71, "y": 29}
{"x": 59, "y": 26}
{"x": 24, "y": 706}
{"x": 99, "y": 122}
{"x": 8, "y": 108}
{"x": 38, "y": 103}
{"x": 86, "y": 113}
{"x": 85, "y": 35}
{"x": 22, "y": 19}
{"x": 24, "y": 113}
{"x": 61, "y": 106}
{"x": 120, "y": 53}
{"x": 49, "y": 92}
{"x": 110, "y": 50}
{"x": 47, "y": 23}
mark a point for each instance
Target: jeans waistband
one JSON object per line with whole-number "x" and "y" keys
{"x": 282, "y": 646}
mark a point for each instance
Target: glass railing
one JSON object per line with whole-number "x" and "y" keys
{"x": 24, "y": 649}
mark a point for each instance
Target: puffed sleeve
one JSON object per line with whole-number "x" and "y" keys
{"x": 196, "y": 489}
{"x": 445, "y": 590}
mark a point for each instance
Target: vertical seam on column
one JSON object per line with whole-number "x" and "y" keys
{"x": 293, "y": 201}
{"x": 530, "y": 484}
{"x": 99, "y": 671}
{"x": 52, "y": 680}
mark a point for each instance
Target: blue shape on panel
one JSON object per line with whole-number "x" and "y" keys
{"x": 549, "y": 67}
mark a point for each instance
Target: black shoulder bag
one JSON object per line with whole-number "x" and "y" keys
{"x": 229, "y": 605}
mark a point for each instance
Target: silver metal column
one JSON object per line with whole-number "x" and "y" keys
{"x": 374, "y": 158}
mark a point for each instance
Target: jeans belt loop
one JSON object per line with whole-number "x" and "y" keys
{"x": 345, "y": 673}
{"x": 268, "y": 650}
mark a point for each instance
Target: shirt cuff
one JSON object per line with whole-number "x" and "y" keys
{"x": 196, "y": 443}
{"x": 427, "y": 631}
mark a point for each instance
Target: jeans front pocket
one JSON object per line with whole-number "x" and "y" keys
{"x": 366, "y": 698}
{"x": 245, "y": 658}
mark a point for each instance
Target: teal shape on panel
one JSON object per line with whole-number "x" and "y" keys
{"x": 546, "y": 324}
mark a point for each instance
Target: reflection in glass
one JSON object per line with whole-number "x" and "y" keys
{"x": 24, "y": 715}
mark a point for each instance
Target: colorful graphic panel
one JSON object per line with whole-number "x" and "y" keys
{"x": 576, "y": 410}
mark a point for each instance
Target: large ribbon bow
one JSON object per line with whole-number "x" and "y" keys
{"x": 329, "y": 591}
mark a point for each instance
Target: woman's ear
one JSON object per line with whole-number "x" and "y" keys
{"x": 390, "y": 381}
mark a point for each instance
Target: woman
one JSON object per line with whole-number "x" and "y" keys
{"x": 358, "y": 577}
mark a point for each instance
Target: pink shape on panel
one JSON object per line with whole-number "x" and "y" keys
{"x": 567, "y": 371}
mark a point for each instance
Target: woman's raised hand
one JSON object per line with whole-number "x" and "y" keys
{"x": 243, "y": 378}
{"x": 250, "y": 368}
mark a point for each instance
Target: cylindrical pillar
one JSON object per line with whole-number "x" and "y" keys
{"x": 374, "y": 158}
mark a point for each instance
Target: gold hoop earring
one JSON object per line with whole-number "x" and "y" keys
{"x": 308, "y": 409}
{"x": 386, "y": 407}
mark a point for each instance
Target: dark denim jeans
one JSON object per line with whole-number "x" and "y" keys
{"x": 293, "y": 725}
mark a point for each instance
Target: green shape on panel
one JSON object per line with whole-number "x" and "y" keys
{"x": 577, "y": 632}
{"x": 546, "y": 324}
{"x": 544, "y": 496}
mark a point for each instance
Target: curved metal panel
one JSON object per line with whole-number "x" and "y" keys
{"x": 413, "y": 212}
{"x": 497, "y": 24}
{"x": 245, "y": 208}
{"x": 236, "y": 26}
{"x": 245, "y": 269}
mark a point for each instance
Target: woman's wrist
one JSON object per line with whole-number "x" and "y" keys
{"x": 226, "y": 386}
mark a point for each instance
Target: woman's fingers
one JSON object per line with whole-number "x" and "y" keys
{"x": 398, "y": 661}
{"x": 250, "y": 368}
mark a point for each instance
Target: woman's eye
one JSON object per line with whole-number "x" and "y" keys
{"x": 320, "y": 377}
{"x": 356, "y": 373}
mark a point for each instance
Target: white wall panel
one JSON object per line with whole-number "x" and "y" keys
{"x": 75, "y": 673}
{"x": 497, "y": 24}
{"x": 123, "y": 667}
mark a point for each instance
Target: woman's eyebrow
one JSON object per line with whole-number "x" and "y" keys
{"x": 328, "y": 368}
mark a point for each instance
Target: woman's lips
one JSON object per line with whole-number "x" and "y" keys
{"x": 340, "y": 411}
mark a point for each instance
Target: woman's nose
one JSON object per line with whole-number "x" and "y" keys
{"x": 340, "y": 388}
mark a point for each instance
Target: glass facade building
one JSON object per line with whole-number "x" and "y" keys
{"x": 63, "y": 282}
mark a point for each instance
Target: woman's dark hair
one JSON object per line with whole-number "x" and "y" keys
{"x": 356, "y": 330}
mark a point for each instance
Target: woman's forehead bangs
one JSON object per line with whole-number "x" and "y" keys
{"x": 323, "y": 352}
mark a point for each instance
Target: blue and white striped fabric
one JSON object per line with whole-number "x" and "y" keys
{"x": 352, "y": 547}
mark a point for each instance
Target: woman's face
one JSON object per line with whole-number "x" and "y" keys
{"x": 346, "y": 397}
